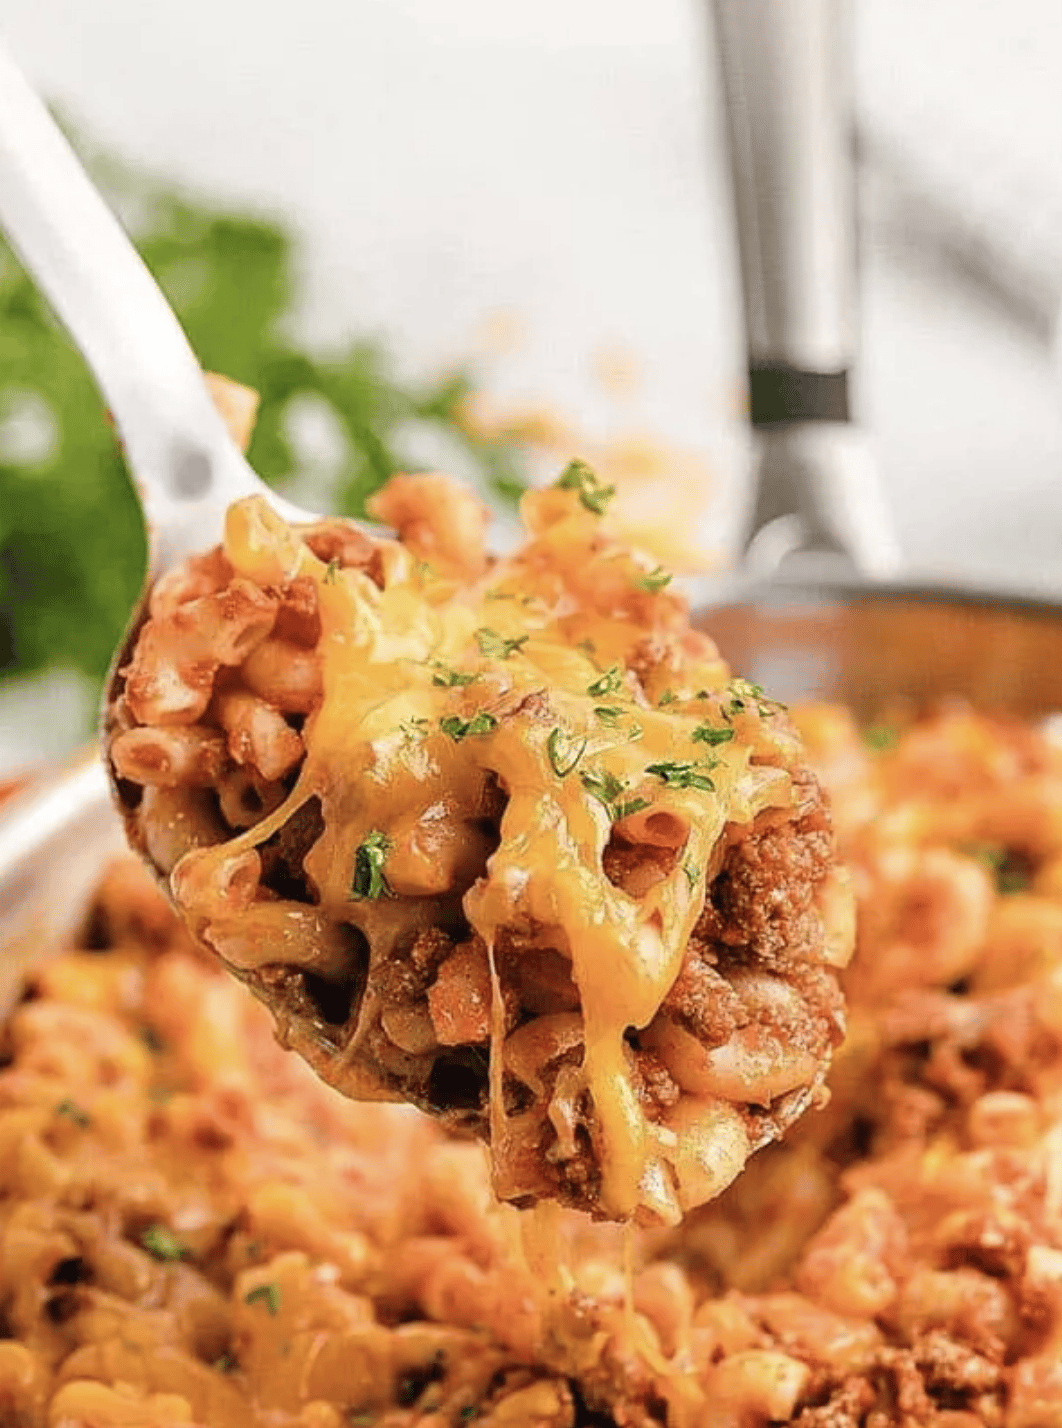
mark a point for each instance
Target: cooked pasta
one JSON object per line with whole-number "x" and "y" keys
{"x": 503, "y": 839}
{"x": 195, "y": 1230}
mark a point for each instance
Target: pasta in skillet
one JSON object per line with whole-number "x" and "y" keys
{"x": 195, "y": 1230}
{"x": 503, "y": 839}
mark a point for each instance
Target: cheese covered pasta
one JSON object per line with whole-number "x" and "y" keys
{"x": 503, "y": 838}
{"x": 195, "y": 1230}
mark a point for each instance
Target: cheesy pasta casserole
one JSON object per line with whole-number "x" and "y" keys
{"x": 195, "y": 1230}
{"x": 500, "y": 838}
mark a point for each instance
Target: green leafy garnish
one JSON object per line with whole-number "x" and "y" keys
{"x": 609, "y": 791}
{"x": 73, "y": 1112}
{"x": 163, "y": 1244}
{"x": 693, "y": 877}
{"x": 683, "y": 775}
{"x": 226, "y": 1363}
{"x": 565, "y": 750}
{"x": 742, "y": 695}
{"x": 447, "y": 678}
{"x": 369, "y": 880}
{"x": 458, "y": 729}
{"x": 267, "y": 1294}
{"x": 331, "y": 571}
{"x": 881, "y": 737}
{"x": 609, "y": 682}
{"x": 655, "y": 581}
{"x": 468, "y": 1414}
{"x": 1009, "y": 869}
{"x": 578, "y": 476}
{"x": 707, "y": 734}
{"x": 626, "y": 807}
{"x": 414, "y": 728}
{"x": 72, "y": 548}
{"x": 609, "y": 714}
{"x": 668, "y": 697}
{"x": 495, "y": 646}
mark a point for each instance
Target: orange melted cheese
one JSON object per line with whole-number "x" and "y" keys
{"x": 558, "y": 623}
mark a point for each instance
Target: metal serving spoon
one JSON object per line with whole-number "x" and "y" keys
{"x": 186, "y": 468}
{"x": 184, "y": 465}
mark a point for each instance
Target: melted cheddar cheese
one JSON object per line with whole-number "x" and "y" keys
{"x": 429, "y": 686}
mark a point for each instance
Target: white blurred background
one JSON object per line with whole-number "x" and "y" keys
{"x": 553, "y": 173}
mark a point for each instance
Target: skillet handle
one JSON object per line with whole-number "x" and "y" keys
{"x": 787, "y": 86}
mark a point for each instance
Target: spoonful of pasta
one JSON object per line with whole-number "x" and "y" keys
{"x": 498, "y": 836}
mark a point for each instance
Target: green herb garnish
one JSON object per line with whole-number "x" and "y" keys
{"x": 742, "y": 694}
{"x": 655, "y": 581}
{"x": 226, "y": 1363}
{"x": 1009, "y": 869}
{"x": 331, "y": 571}
{"x": 73, "y": 1112}
{"x": 881, "y": 737}
{"x": 707, "y": 734}
{"x": 495, "y": 646}
{"x": 414, "y": 728}
{"x": 565, "y": 750}
{"x": 609, "y": 791}
{"x": 627, "y": 807}
{"x": 609, "y": 682}
{"x": 683, "y": 775}
{"x": 609, "y": 714}
{"x": 668, "y": 697}
{"x": 447, "y": 678}
{"x": 369, "y": 880}
{"x": 578, "y": 476}
{"x": 163, "y": 1244}
{"x": 267, "y": 1294}
{"x": 693, "y": 877}
{"x": 458, "y": 729}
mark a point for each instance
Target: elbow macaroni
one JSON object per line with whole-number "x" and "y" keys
{"x": 433, "y": 778}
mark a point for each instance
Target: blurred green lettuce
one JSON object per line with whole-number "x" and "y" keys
{"x": 71, "y": 542}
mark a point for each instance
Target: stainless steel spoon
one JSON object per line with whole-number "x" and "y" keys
{"x": 183, "y": 463}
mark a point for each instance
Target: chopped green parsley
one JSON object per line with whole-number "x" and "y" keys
{"x": 881, "y": 737}
{"x": 267, "y": 1294}
{"x": 707, "y": 734}
{"x": 579, "y": 477}
{"x": 565, "y": 750}
{"x": 655, "y": 581}
{"x": 163, "y": 1244}
{"x": 368, "y": 880}
{"x": 73, "y": 1112}
{"x": 683, "y": 775}
{"x": 458, "y": 728}
{"x": 495, "y": 646}
{"x": 609, "y": 791}
{"x": 609, "y": 682}
{"x": 447, "y": 678}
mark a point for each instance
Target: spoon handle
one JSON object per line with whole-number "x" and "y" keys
{"x": 184, "y": 464}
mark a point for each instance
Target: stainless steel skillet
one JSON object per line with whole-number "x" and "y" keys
{"x": 868, "y": 637}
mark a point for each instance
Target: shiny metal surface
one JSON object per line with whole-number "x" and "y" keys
{"x": 787, "y": 89}
{"x": 186, "y": 467}
{"x": 787, "y": 78}
{"x": 55, "y": 838}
